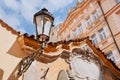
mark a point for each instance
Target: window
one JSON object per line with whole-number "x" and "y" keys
{"x": 80, "y": 29}
{"x": 74, "y": 32}
{"x": 94, "y": 39}
{"x": 102, "y": 34}
{"x": 89, "y": 21}
{"x": 95, "y": 15}
{"x": 111, "y": 56}
{"x": 68, "y": 37}
{"x": 117, "y": 1}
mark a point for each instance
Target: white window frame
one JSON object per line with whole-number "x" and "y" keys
{"x": 102, "y": 34}
{"x": 68, "y": 37}
{"x": 89, "y": 21}
{"x": 80, "y": 29}
{"x": 110, "y": 56}
{"x": 94, "y": 39}
{"x": 95, "y": 15}
{"x": 75, "y": 33}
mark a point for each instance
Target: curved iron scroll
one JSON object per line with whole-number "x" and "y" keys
{"x": 27, "y": 61}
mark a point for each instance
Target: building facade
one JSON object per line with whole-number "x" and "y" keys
{"x": 97, "y": 19}
{"x": 73, "y": 59}
{"x": 10, "y": 51}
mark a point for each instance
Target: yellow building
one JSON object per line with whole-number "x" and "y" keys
{"x": 73, "y": 59}
{"x": 10, "y": 51}
{"x": 98, "y": 19}
{"x": 14, "y": 47}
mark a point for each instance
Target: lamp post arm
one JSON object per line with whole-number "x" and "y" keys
{"x": 27, "y": 61}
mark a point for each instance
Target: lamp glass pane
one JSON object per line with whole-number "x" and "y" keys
{"x": 39, "y": 23}
{"x": 47, "y": 26}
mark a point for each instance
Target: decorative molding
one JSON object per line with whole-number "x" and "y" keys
{"x": 77, "y": 53}
{"x": 65, "y": 55}
{"x": 85, "y": 55}
{"x": 9, "y": 28}
{"x": 53, "y": 47}
{"x": 28, "y": 43}
{"x": 112, "y": 10}
{"x": 44, "y": 58}
{"x": 108, "y": 63}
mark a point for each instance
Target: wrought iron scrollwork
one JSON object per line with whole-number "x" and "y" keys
{"x": 27, "y": 61}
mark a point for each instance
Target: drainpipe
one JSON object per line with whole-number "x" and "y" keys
{"x": 109, "y": 27}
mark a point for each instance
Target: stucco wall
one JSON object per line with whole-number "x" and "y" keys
{"x": 36, "y": 70}
{"x": 10, "y": 52}
{"x": 107, "y": 5}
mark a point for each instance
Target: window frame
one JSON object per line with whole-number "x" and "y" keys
{"x": 94, "y": 39}
{"x": 110, "y": 56}
{"x": 102, "y": 34}
{"x": 95, "y": 15}
{"x": 89, "y": 21}
{"x": 80, "y": 28}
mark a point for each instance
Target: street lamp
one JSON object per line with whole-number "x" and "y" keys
{"x": 43, "y": 21}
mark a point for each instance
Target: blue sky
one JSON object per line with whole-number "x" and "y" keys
{"x": 19, "y": 13}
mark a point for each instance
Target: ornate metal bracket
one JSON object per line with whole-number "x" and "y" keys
{"x": 27, "y": 61}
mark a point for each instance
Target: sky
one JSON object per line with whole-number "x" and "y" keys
{"x": 19, "y": 13}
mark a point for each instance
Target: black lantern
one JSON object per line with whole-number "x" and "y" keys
{"x": 43, "y": 21}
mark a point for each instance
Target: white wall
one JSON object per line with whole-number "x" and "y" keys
{"x": 8, "y": 61}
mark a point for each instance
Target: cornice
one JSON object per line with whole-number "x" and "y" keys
{"x": 78, "y": 9}
{"x": 28, "y": 42}
{"x": 9, "y": 28}
{"x": 108, "y": 63}
{"x": 112, "y": 10}
{"x": 51, "y": 50}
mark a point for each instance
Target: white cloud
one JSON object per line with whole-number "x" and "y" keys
{"x": 12, "y": 4}
{"x": 12, "y": 20}
{"x": 9, "y": 18}
{"x": 25, "y": 9}
{"x": 29, "y": 7}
